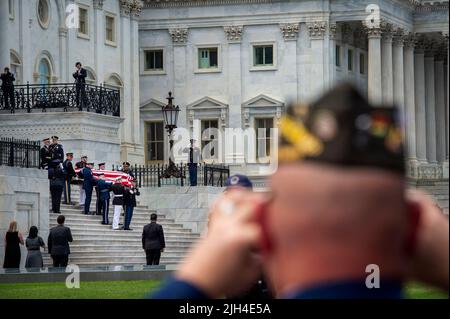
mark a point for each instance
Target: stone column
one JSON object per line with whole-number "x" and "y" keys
{"x": 332, "y": 53}
{"x": 419, "y": 85}
{"x": 63, "y": 65}
{"x": 233, "y": 34}
{"x": 374, "y": 66}
{"x": 317, "y": 79}
{"x": 99, "y": 34}
{"x": 135, "y": 96}
{"x": 410, "y": 106}
{"x": 430, "y": 106}
{"x": 386, "y": 65}
{"x": 398, "y": 70}
{"x": 440, "y": 106}
{"x": 4, "y": 36}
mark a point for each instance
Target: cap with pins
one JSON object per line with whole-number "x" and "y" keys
{"x": 342, "y": 128}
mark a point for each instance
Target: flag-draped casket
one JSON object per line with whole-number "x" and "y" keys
{"x": 110, "y": 176}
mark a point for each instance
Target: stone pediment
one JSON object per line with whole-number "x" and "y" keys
{"x": 262, "y": 101}
{"x": 152, "y": 105}
{"x": 207, "y": 103}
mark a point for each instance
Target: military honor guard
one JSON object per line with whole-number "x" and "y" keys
{"x": 56, "y": 177}
{"x": 126, "y": 168}
{"x": 88, "y": 185}
{"x": 98, "y": 211}
{"x": 69, "y": 174}
{"x": 46, "y": 156}
{"x": 80, "y": 165}
{"x": 103, "y": 188}
{"x": 56, "y": 149}
{"x": 118, "y": 190}
{"x": 130, "y": 204}
{"x": 194, "y": 159}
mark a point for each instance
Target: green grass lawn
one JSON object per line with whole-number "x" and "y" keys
{"x": 135, "y": 290}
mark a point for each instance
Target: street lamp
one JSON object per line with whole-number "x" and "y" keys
{"x": 170, "y": 115}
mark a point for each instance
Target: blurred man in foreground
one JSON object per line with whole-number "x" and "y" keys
{"x": 337, "y": 223}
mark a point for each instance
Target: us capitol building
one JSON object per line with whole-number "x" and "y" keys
{"x": 229, "y": 63}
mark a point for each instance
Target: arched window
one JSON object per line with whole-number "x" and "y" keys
{"x": 16, "y": 67}
{"x": 44, "y": 72}
{"x": 114, "y": 82}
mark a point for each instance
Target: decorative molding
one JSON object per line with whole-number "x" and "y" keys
{"x": 62, "y": 31}
{"x": 425, "y": 6}
{"x": 197, "y": 3}
{"x": 333, "y": 30}
{"x": 387, "y": 30}
{"x": 130, "y": 7}
{"x": 399, "y": 35}
{"x": 409, "y": 40}
{"x": 233, "y": 32}
{"x": 179, "y": 35}
{"x": 98, "y": 4}
{"x": 317, "y": 29}
{"x": 289, "y": 31}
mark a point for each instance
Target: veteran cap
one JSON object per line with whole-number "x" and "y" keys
{"x": 238, "y": 181}
{"x": 342, "y": 128}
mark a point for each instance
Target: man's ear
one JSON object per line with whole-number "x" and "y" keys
{"x": 414, "y": 211}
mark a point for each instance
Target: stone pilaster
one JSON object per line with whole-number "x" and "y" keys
{"x": 316, "y": 70}
{"x": 386, "y": 64}
{"x": 398, "y": 69}
{"x": 440, "y": 106}
{"x": 4, "y": 36}
{"x": 419, "y": 84}
{"x": 374, "y": 65}
{"x": 430, "y": 103}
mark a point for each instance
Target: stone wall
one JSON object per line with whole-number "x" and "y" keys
{"x": 24, "y": 197}
{"x": 187, "y": 205}
{"x": 83, "y": 133}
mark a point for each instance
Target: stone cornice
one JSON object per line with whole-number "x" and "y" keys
{"x": 424, "y": 6}
{"x": 130, "y": 7}
{"x": 196, "y": 3}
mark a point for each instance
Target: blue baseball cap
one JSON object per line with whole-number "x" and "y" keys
{"x": 238, "y": 181}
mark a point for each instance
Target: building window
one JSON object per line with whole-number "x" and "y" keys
{"x": 44, "y": 74}
{"x": 16, "y": 68}
{"x": 11, "y": 9}
{"x": 362, "y": 63}
{"x": 83, "y": 27}
{"x": 155, "y": 141}
{"x": 263, "y": 126}
{"x": 209, "y": 139}
{"x": 43, "y": 11}
{"x": 338, "y": 55}
{"x": 153, "y": 60}
{"x": 110, "y": 29}
{"x": 350, "y": 60}
{"x": 208, "y": 58}
{"x": 263, "y": 55}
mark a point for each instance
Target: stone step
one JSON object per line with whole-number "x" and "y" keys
{"x": 137, "y": 210}
{"x": 124, "y": 253}
{"x": 98, "y": 226}
{"x": 100, "y": 259}
{"x": 174, "y": 241}
{"x": 108, "y": 231}
{"x": 97, "y": 221}
{"x": 107, "y": 246}
{"x": 132, "y": 235}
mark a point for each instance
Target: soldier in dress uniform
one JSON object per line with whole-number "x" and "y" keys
{"x": 118, "y": 190}
{"x": 80, "y": 165}
{"x": 56, "y": 177}
{"x": 69, "y": 174}
{"x": 88, "y": 186}
{"x": 126, "y": 168}
{"x": 104, "y": 188}
{"x": 130, "y": 203}
{"x": 46, "y": 156}
{"x": 98, "y": 211}
{"x": 56, "y": 149}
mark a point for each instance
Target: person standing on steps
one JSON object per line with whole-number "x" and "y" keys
{"x": 56, "y": 149}
{"x": 153, "y": 241}
{"x": 130, "y": 204}
{"x": 118, "y": 190}
{"x": 58, "y": 243}
{"x": 88, "y": 185}
{"x": 104, "y": 188}
{"x": 69, "y": 173}
{"x": 56, "y": 177}
{"x": 46, "y": 156}
{"x": 34, "y": 244}
{"x": 80, "y": 165}
{"x": 13, "y": 239}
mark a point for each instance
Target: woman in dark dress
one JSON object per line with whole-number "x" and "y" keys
{"x": 12, "y": 249}
{"x": 34, "y": 244}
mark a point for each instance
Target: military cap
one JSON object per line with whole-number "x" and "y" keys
{"x": 69, "y": 154}
{"x": 126, "y": 163}
{"x": 342, "y": 128}
{"x": 90, "y": 163}
{"x": 55, "y": 137}
{"x": 100, "y": 164}
{"x": 46, "y": 139}
{"x": 84, "y": 156}
{"x": 238, "y": 181}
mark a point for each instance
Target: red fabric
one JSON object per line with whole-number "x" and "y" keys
{"x": 110, "y": 176}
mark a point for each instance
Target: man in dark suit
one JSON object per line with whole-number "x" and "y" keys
{"x": 80, "y": 75}
{"x": 88, "y": 186}
{"x": 56, "y": 177}
{"x": 194, "y": 159}
{"x": 153, "y": 241}
{"x": 69, "y": 172}
{"x": 8, "y": 88}
{"x": 46, "y": 156}
{"x": 58, "y": 243}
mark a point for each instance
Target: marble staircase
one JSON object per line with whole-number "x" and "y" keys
{"x": 97, "y": 244}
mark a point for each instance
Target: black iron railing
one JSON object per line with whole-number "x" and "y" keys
{"x": 19, "y": 153}
{"x": 62, "y": 97}
{"x": 152, "y": 175}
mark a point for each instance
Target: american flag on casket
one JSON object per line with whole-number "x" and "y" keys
{"x": 110, "y": 176}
